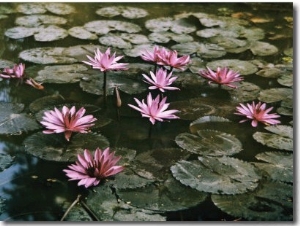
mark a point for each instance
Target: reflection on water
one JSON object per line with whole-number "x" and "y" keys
{"x": 33, "y": 189}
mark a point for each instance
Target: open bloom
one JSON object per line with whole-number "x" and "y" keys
{"x": 67, "y": 121}
{"x": 170, "y": 58}
{"x": 16, "y": 72}
{"x": 154, "y": 109}
{"x": 161, "y": 80}
{"x": 90, "y": 170}
{"x": 152, "y": 56}
{"x": 222, "y": 76}
{"x": 106, "y": 61}
{"x": 257, "y": 113}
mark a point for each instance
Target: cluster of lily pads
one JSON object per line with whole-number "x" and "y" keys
{"x": 200, "y": 165}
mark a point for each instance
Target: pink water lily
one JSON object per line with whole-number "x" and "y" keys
{"x": 90, "y": 170}
{"x": 160, "y": 80}
{"x": 152, "y": 56}
{"x": 257, "y": 113}
{"x": 170, "y": 58}
{"x": 154, "y": 109}
{"x": 105, "y": 61}
{"x": 16, "y": 72}
{"x": 223, "y": 76}
{"x": 67, "y": 121}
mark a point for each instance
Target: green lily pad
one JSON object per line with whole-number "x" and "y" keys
{"x": 103, "y": 202}
{"x": 286, "y": 80}
{"x": 5, "y": 161}
{"x": 13, "y": 122}
{"x": 136, "y": 39}
{"x": 222, "y": 175}
{"x": 278, "y": 166}
{"x": 54, "y": 147}
{"x": 138, "y": 49}
{"x": 269, "y": 202}
{"x": 209, "y": 143}
{"x": 212, "y": 32}
{"x": 243, "y": 67}
{"x": 60, "y": 8}
{"x": 31, "y": 8}
{"x": 78, "y": 214}
{"x": 209, "y": 118}
{"x": 263, "y": 49}
{"x": 38, "y": 20}
{"x": 125, "y": 11}
{"x": 230, "y": 44}
{"x": 275, "y": 94}
{"x": 165, "y": 37}
{"x": 20, "y": 32}
{"x": 6, "y": 64}
{"x": 61, "y": 73}
{"x": 246, "y": 91}
{"x": 282, "y": 130}
{"x": 252, "y": 34}
{"x": 115, "y": 41}
{"x": 271, "y": 72}
{"x": 50, "y": 33}
{"x": 168, "y": 195}
{"x": 81, "y": 33}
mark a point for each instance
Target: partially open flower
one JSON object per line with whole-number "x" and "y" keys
{"x": 170, "y": 58}
{"x": 16, "y": 72}
{"x": 90, "y": 170}
{"x": 67, "y": 121}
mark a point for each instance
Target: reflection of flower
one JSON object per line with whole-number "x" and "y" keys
{"x": 257, "y": 113}
{"x": 161, "y": 80}
{"x": 91, "y": 170}
{"x": 170, "y": 58}
{"x": 105, "y": 61}
{"x": 16, "y": 72}
{"x": 67, "y": 121}
{"x": 154, "y": 109}
{"x": 222, "y": 76}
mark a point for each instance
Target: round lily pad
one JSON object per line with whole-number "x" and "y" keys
{"x": 263, "y": 49}
{"x": 125, "y": 11}
{"x": 275, "y": 94}
{"x": 165, "y": 37}
{"x": 269, "y": 202}
{"x": 136, "y": 39}
{"x": 6, "y": 64}
{"x": 50, "y": 33}
{"x": 115, "y": 41}
{"x": 230, "y": 44}
{"x": 60, "y": 8}
{"x": 282, "y": 130}
{"x": 274, "y": 141}
{"x": 54, "y": 147}
{"x": 212, "y": 32}
{"x": 252, "y": 34}
{"x": 246, "y": 91}
{"x": 278, "y": 166}
{"x": 31, "y": 8}
{"x": 81, "y": 33}
{"x": 20, "y": 32}
{"x": 243, "y": 67}
{"x": 138, "y": 49}
{"x": 38, "y": 20}
{"x": 286, "y": 80}
{"x": 222, "y": 175}
{"x": 46, "y": 101}
{"x": 209, "y": 143}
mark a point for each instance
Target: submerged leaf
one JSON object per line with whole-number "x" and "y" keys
{"x": 222, "y": 175}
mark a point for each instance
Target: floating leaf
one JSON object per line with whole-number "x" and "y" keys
{"x": 169, "y": 195}
{"x": 46, "y": 55}
{"x": 209, "y": 118}
{"x": 212, "y": 32}
{"x": 289, "y": 52}
{"x": 78, "y": 213}
{"x": 263, "y": 49}
{"x": 279, "y": 165}
{"x": 135, "y": 38}
{"x": 61, "y": 73}
{"x": 270, "y": 72}
{"x": 31, "y": 8}
{"x": 50, "y": 33}
{"x": 5, "y": 161}
{"x": 286, "y": 80}
{"x": 115, "y": 41}
{"x": 223, "y": 175}
{"x": 231, "y": 45}
{"x": 54, "y": 147}
{"x": 282, "y": 130}
{"x": 60, "y": 8}
{"x": 274, "y": 141}
{"x": 104, "y": 204}
{"x": 246, "y": 91}
{"x": 20, "y": 32}
{"x": 209, "y": 143}
{"x": 138, "y": 49}
{"x": 165, "y": 37}
{"x": 81, "y": 33}
{"x": 46, "y": 101}
{"x": 269, "y": 202}
{"x": 252, "y": 34}
{"x": 12, "y": 121}
{"x": 243, "y": 67}
{"x": 125, "y": 11}
{"x": 275, "y": 94}
{"x": 38, "y": 20}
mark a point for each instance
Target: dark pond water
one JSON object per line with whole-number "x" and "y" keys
{"x": 247, "y": 171}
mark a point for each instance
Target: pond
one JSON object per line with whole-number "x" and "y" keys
{"x": 209, "y": 68}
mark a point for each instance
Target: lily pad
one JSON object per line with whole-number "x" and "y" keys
{"x": 20, "y": 32}
{"x": 38, "y": 20}
{"x": 103, "y": 202}
{"x": 165, "y": 37}
{"x": 50, "y": 33}
{"x": 209, "y": 143}
{"x": 78, "y": 213}
{"x": 61, "y": 73}
{"x": 138, "y": 49}
{"x": 54, "y": 147}
{"x": 102, "y": 27}
{"x": 46, "y": 101}
{"x": 115, "y": 41}
{"x": 274, "y": 141}
{"x": 168, "y": 195}
{"x": 46, "y": 55}
{"x": 13, "y": 122}
{"x": 230, "y": 44}
{"x": 246, "y": 91}
{"x": 31, "y": 8}
{"x": 212, "y": 32}
{"x": 271, "y": 72}
{"x": 278, "y": 166}
{"x": 81, "y": 33}
{"x": 136, "y": 39}
{"x": 252, "y": 34}
{"x": 275, "y": 94}
{"x": 263, "y": 49}
{"x": 6, "y": 64}
{"x": 222, "y": 175}
{"x": 125, "y": 11}
{"x": 269, "y": 202}
{"x": 243, "y": 67}
{"x": 5, "y": 161}
{"x": 286, "y": 80}
{"x": 209, "y": 118}
{"x": 60, "y": 8}
{"x": 94, "y": 83}
{"x": 282, "y": 130}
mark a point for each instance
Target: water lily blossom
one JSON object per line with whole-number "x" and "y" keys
{"x": 170, "y": 58}
{"x": 154, "y": 109}
{"x": 16, "y": 72}
{"x": 33, "y": 83}
{"x": 105, "y": 61}
{"x": 257, "y": 113}
{"x": 161, "y": 80}
{"x": 90, "y": 170}
{"x": 152, "y": 56}
{"x": 67, "y": 121}
{"x": 223, "y": 76}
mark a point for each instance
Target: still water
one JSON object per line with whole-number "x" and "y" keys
{"x": 255, "y": 38}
